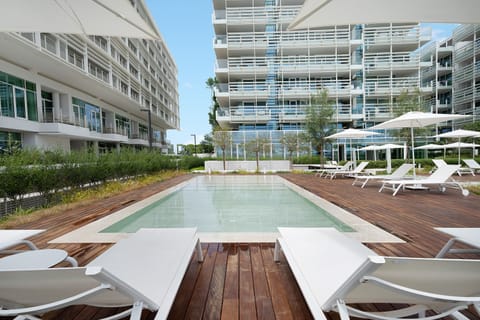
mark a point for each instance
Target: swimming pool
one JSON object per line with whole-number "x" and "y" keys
{"x": 231, "y": 204}
{"x": 229, "y": 208}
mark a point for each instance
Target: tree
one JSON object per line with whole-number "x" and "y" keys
{"x": 222, "y": 139}
{"x": 318, "y": 121}
{"x": 409, "y": 101}
{"x": 206, "y": 145}
{"x": 256, "y": 146}
{"x": 212, "y": 115}
{"x": 293, "y": 143}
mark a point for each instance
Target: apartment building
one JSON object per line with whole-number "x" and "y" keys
{"x": 71, "y": 92}
{"x": 454, "y": 74}
{"x": 267, "y": 74}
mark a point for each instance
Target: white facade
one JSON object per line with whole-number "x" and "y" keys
{"x": 70, "y": 92}
{"x": 267, "y": 74}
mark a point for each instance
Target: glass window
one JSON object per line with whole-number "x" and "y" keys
{"x": 32, "y": 106}
{"x": 92, "y": 114}
{"x": 20, "y": 102}
{"x": 47, "y": 106}
{"x": 79, "y": 114}
{"x": 7, "y": 107}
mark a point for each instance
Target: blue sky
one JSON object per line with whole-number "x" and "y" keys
{"x": 187, "y": 29}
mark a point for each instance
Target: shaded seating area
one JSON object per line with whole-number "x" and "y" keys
{"x": 143, "y": 271}
{"x": 442, "y": 178}
{"x": 399, "y": 173}
{"x": 337, "y": 273}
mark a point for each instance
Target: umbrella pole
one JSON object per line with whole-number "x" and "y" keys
{"x": 458, "y": 150}
{"x": 413, "y": 153}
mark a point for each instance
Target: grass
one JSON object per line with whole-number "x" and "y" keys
{"x": 84, "y": 197}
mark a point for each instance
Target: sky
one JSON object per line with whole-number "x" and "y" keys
{"x": 187, "y": 29}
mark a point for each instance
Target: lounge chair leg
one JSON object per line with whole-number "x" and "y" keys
{"x": 199, "y": 251}
{"x": 276, "y": 252}
{"x": 136, "y": 311}
{"x": 342, "y": 310}
{"x": 72, "y": 261}
{"x": 446, "y": 248}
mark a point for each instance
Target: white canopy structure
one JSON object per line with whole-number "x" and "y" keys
{"x": 352, "y": 134}
{"x": 116, "y": 18}
{"x": 321, "y": 13}
{"x": 458, "y": 134}
{"x": 415, "y": 119}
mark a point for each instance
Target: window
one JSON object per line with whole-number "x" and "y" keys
{"x": 47, "y": 106}
{"x": 100, "y": 41}
{"x": 134, "y": 95}
{"x": 17, "y": 98}
{"x": 132, "y": 47}
{"x": 97, "y": 71}
{"x": 75, "y": 57}
{"x": 122, "y": 125}
{"x": 93, "y": 117}
{"x": 133, "y": 71}
{"x": 49, "y": 42}
{"x": 124, "y": 88}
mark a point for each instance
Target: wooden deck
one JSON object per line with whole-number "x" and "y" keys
{"x": 241, "y": 281}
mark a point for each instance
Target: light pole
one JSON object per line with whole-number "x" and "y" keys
{"x": 150, "y": 133}
{"x": 194, "y": 143}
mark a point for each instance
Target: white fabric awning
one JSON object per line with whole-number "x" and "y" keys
{"x": 321, "y": 13}
{"x": 117, "y": 18}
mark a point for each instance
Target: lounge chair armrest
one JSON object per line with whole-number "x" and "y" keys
{"x": 394, "y": 315}
{"x": 56, "y": 304}
{"x": 419, "y": 293}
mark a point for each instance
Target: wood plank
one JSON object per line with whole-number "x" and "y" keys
{"x": 247, "y": 292}
{"x": 230, "y": 307}
{"x": 196, "y": 305}
{"x": 213, "y": 306}
{"x": 263, "y": 300}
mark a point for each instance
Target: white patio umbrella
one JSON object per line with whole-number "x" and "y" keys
{"x": 432, "y": 146}
{"x": 388, "y": 147}
{"x": 372, "y": 147}
{"x": 352, "y": 134}
{"x": 320, "y": 13}
{"x": 90, "y": 17}
{"x": 415, "y": 119}
{"x": 459, "y": 145}
{"x": 459, "y": 134}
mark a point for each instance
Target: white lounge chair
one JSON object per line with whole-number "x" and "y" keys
{"x": 468, "y": 236}
{"x": 441, "y": 163}
{"x": 334, "y": 271}
{"x": 351, "y": 173}
{"x": 400, "y": 173}
{"x": 143, "y": 271}
{"x": 442, "y": 177}
{"x": 347, "y": 166}
{"x": 472, "y": 164}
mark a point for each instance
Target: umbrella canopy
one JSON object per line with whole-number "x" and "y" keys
{"x": 430, "y": 146}
{"x": 415, "y": 119}
{"x": 321, "y": 13}
{"x": 116, "y": 18}
{"x": 352, "y": 134}
{"x": 460, "y": 133}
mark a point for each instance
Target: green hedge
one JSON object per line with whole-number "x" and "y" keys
{"x": 32, "y": 171}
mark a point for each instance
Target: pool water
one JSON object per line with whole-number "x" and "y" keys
{"x": 231, "y": 204}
